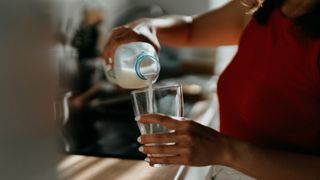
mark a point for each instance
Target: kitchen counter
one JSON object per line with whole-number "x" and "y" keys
{"x": 75, "y": 167}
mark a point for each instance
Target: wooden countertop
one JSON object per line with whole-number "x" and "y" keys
{"x": 75, "y": 167}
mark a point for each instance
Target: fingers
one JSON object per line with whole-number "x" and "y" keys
{"x": 163, "y": 150}
{"x": 167, "y": 154}
{"x": 179, "y": 138}
{"x": 160, "y": 138}
{"x": 113, "y": 43}
{"x": 109, "y": 45}
{"x": 120, "y": 35}
{"x": 161, "y": 119}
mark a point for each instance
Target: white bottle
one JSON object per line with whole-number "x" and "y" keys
{"x": 135, "y": 65}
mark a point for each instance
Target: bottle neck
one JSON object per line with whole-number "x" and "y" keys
{"x": 147, "y": 66}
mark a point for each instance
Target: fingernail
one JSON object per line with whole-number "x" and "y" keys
{"x": 140, "y": 149}
{"x": 147, "y": 159}
{"x": 137, "y": 118}
{"x": 139, "y": 139}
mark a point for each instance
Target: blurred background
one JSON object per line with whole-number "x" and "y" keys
{"x": 55, "y": 95}
{"x": 99, "y": 117}
{"x": 27, "y": 91}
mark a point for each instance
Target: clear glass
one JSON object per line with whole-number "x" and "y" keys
{"x": 166, "y": 100}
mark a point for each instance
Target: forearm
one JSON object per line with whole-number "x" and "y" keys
{"x": 263, "y": 163}
{"x": 198, "y": 145}
{"x": 172, "y": 30}
{"x": 223, "y": 26}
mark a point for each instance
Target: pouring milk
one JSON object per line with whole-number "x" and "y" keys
{"x": 136, "y": 65}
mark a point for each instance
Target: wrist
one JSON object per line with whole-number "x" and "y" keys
{"x": 141, "y": 24}
{"x": 145, "y": 29}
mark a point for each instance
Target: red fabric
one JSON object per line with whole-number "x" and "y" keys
{"x": 270, "y": 93}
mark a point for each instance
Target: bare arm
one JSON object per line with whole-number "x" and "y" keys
{"x": 223, "y": 26}
{"x": 264, "y": 163}
{"x": 198, "y": 145}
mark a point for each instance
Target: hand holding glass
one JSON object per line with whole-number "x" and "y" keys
{"x": 167, "y": 100}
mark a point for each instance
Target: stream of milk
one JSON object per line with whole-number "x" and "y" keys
{"x": 150, "y": 101}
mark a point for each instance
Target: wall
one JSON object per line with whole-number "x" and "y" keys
{"x": 186, "y": 7}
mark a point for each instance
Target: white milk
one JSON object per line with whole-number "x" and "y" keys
{"x": 150, "y": 101}
{"x": 134, "y": 64}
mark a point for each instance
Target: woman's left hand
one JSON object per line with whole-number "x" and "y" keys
{"x": 194, "y": 144}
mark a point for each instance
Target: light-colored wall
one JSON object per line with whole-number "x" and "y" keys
{"x": 186, "y": 7}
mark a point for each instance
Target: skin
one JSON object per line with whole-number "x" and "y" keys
{"x": 195, "y": 144}
{"x": 221, "y": 27}
{"x": 198, "y": 145}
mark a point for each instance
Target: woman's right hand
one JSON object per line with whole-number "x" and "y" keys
{"x": 140, "y": 30}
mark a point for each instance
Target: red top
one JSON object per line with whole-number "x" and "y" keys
{"x": 270, "y": 93}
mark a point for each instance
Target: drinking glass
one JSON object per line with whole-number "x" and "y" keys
{"x": 167, "y": 100}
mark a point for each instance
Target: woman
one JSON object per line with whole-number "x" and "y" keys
{"x": 269, "y": 95}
